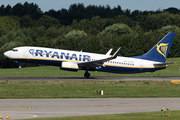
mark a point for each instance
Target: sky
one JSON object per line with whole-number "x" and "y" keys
{"x": 141, "y": 5}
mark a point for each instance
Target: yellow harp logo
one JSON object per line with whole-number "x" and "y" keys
{"x": 162, "y": 48}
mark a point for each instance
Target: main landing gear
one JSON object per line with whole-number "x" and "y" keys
{"x": 86, "y": 74}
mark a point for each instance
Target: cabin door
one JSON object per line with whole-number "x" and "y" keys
{"x": 141, "y": 66}
{"x": 25, "y": 53}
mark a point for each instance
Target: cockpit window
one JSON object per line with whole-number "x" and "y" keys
{"x": 15, "y": 50}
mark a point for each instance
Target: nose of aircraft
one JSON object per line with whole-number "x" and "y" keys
{"x": 7, "y": 54}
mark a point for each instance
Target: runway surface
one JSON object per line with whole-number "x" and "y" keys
{"x": 44, "y": 108}
{"x": 92, "y": 78}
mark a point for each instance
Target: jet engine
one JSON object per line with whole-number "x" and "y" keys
{"x": 69, "y": 66}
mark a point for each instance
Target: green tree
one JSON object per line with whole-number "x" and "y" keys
{"x": 8, "y": 24}
{"x": 47, "y": 22}
{"x": 15, "y": 36}
{"x": 44, "y": 42}
{"x": 89, "y": 44}
{"x": 169, "y": 28}
{"x": 75, "y": 34}
{"x": 125, "y": 20}
{"x": 2, "y": 10}
{"x": 26, "y": 21}
{"x": 51, "y": 32}
{"x": 116, "y": 29}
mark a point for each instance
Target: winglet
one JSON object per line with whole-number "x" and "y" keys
{"x": 109, "y": 52}
{"x": 116, "y": 53}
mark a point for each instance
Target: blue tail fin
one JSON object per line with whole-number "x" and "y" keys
{"x": 160, "y": 51}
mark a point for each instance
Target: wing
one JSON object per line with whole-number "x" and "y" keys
{"x": 96, "y": 63}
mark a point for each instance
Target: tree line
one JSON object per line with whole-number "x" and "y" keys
{"x": 92, "y": 29}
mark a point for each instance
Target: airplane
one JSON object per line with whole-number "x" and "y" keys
{"x": 69, "y": 60}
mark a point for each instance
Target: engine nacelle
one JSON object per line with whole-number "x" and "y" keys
{"x": 70, "y": 66}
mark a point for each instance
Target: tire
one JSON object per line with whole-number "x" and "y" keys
{"x": 86, "y": 75}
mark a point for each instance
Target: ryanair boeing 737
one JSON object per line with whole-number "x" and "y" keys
{"x": 75, "y": 60}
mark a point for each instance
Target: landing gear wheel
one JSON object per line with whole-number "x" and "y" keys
{"x": 86, "y": 74}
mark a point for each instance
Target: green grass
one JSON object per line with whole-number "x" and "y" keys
{"x": 131, "y": 116}
{"x": 87, "y": 89}
{"x": 50, "y": 71}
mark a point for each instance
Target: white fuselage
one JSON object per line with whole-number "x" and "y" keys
{"x": 49, "y": 56}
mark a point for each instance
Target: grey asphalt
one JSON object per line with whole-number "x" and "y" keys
{"x": 92, "y": 78}
{"x": 44, "y": 108}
